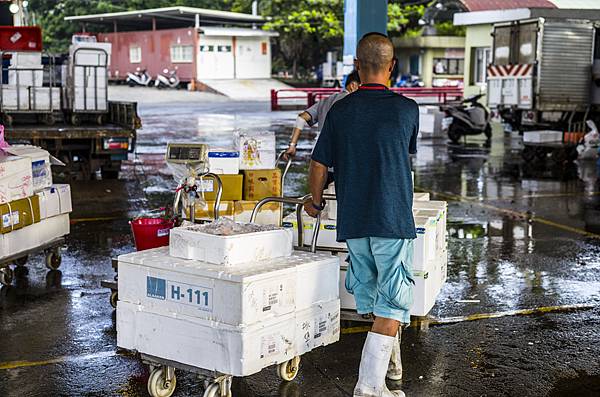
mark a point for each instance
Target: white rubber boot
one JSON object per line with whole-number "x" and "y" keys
{"x": 394, "y": 371}
{"x": 373, "y": 367}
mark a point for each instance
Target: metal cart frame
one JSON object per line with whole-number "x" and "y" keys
{"x": 51, "y": 250}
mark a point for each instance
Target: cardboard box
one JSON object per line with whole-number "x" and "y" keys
{"x": 33, "y": 236}
{"x": 40, "y": 164}
{"x": 206, "y": 210}
{"x": 269, "y": 214}
{"x": 259, "y": 184}
{"x": 229, "y": 250}
{"x": 257, "y": 150}
{"x": 222, "y": 161}
{"x": 237, "y": 296}
{"x": 232, "y": 188}
{"x": 19, "y": 214}
{"x": 16, "y": 181}
{"x": 55, "y": 200}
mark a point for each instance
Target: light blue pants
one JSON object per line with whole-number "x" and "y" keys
{"x": 380, "y": 276}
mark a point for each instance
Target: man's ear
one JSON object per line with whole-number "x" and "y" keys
{"x": 356, "y": 64}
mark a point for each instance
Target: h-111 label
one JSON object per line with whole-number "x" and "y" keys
{"x": 194, "y": 295}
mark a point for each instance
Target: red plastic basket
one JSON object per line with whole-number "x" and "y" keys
{"x": 150, "y": 232}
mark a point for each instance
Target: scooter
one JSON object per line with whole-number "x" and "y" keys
{"x": 168, "y": 79}
{"x": 469, "y": 117}
{"x": 139, "y": 77}
{"x": 410, "y": 81}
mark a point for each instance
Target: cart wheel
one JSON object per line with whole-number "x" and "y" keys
{"x": 100, "y": 119}
{"x": 6, "y": 276}
{"x": 158, "y": 386}
{"x": 49, "y": 119}
{"x": 22, "y": 261}
{"x": 7, "y": 120}
{"x": 114, "y": 297}
{"x": 53, "y": 260}
{"x": 288, "y": 370}
{"x": 214, "y": 390}
{"x": 75, "y": 119}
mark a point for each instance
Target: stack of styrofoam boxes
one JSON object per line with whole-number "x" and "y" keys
{"x": 25, "y": 90}
{"x": 254, "y": 156}
{"x": 89, "y": 65}
{"x": 230, "y": 317}
{"x": 33, "y": 211}
{"x": 430, "y": 121}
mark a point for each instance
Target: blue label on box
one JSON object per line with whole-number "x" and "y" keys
{"x": 156, "y": 288}
{"x": 224, "y": 154}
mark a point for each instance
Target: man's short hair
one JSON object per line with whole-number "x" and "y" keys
{"x": 375, "y": 51}
{"x": 352, "y": 78}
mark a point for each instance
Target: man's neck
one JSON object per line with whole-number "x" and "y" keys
{"x": 376, "y": 79}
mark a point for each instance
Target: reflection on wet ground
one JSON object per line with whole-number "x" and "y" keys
{"x": 520, "y": 237}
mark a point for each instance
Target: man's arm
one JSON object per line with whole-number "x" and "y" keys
{"x": 317, "y": 177}
{"x": 304, "y": 119}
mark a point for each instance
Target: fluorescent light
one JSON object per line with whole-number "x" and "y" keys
{"x": 13, "y": 8}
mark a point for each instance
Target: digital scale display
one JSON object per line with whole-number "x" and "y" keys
{"x": 187, "y": 152}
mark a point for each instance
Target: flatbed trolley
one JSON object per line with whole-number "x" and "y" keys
{"x": 53, "y": 259}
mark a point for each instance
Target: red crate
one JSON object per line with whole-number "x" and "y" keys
{"x": 20, "y": 38}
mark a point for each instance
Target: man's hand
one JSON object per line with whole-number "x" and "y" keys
{"x": 310, "y": 210}
{"x": 290, "y": 153}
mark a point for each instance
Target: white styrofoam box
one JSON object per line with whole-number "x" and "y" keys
{"x": 441, "y": 206}
{"x": 347, "y": 301}
{"x": 317, "y": 326}
{"x": 16, "y": 181}
{"x": 542, "y": 136}
{"x": 40, "y": 164}
{"x": 34, "y": 235}
{"x": 222, "y": 161}
{"x": 15, "y": 98}
{"x": 239, "y": 295}
{"x": 425, "y": 292}
{"x": 425, "y": 244}
{"x": 54, "y": 201}
{"x": 25, "y": 59}
{"x": 430, "y": 123}
{"x": 44, "y": 98}
{"x": 257, "y": 150}
{"x": 237, "y": 351}
{"x": 327, "y": 233}
{"x": 89, "y": 77}
{"x": 89, "y": 53}
{"x": 90, "y": 99}
{"x": 230, "y": 250}
{"x": 421, "y": 196}
{"x": 31, "y": 77}
{"x": 330, "y": 210}
{"x": 442, "y": 269}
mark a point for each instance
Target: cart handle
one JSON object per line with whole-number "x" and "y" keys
{"x": 288, "y": 164}
{"x": 192, "y": 215}
{"x": 299, "y": 203}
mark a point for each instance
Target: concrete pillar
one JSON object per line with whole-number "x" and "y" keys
{"x": 361, "y": 17}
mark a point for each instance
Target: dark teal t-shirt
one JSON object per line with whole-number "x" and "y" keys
{"x": 367, "y": 139}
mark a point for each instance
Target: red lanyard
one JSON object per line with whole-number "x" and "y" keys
{"x": 373, "y": 87}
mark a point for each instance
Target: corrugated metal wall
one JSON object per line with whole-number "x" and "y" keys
{"x": 565, "y": 73}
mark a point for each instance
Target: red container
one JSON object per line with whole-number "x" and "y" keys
{"x": 150, "y": 232}
{"x": 20, "y": 38}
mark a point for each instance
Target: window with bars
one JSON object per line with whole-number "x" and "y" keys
{"x": 135, "y": 54}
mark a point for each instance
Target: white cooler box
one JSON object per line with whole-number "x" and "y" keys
{"x": 421, "y": 196}
{"x": 222, "y": 161}
{"x": 441, "y": 206}
{"x": 425, "y": 244}
{"x": 33, "y": 236}
{"x": 32, "y": 76}
{"x": 230, "y": 250}
{"x": 15, "y": 178}
{"x": 542, "y": 136}
{"x": 237, "y": 351}
{"x": 55, "y": 200}
{"x": 240, "y": 295}
{"x": 40, "y": 164}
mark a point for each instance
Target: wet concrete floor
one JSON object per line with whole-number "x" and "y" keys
{"x": 520, "y": 237}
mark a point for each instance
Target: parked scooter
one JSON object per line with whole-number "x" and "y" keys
{"x": 168, "y": 79}
{"x": 139, "y": 77}
{"x": 410, "y": 81}
{"x": 469, "y": 117}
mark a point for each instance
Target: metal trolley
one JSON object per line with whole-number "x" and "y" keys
{"x": 51, "y": 250}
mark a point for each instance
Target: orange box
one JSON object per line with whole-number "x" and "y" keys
{"x": 259, "y": 184}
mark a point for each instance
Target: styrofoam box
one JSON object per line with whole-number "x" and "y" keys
{"x": 11, "y": 101}
{"x": 237, "y": 351}
{"x": 34, "y": 235}
{"x": 327, "y": 234}
{"x": 54, "y": 201}
{"x": 92, "y": 101}
{"x": 421, "y": 196}
{"x": 222, "y": 161}
{"x": 442, "y": 269}
{"x": 425, "y": 293}
{"x": 430, "y": 123}
{"x": 25, "y": 59}
{"x": 424, "y": 247}
{"x": 441, "y": 206}
{"x": 257, "y": 150}
{"x": 89, "y": 77}
{"x": 542, "y": 136}
{"x": 91, "y": 57}
{"x": 44, "y": 98}
{"x": 15, "y": 178}
{"x": 230, "y": 250}
{"x": 331, "y": 207}
{"x": 26, "y": 77}
{"x": 240, "y": 295}
{"x": 40, "y": 164}
{"x": 265, "y": 216}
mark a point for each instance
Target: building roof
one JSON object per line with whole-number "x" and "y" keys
{"x": 517, "y": 14}
{"x": 238, "y": 32}
{"x": 168, "y": 17}
{"x": 488, "y": 5}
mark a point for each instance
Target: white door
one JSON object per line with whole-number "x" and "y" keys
{"x": 253, "y": 58}
{"x": 215, "y": 58}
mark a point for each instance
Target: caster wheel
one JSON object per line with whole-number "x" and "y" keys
{"x": 75, "y": 120}
{"x": 6, "y": 276}
{"x": 214, "y": 390}
{"x": 158, "y": 386}
{"x": 21, "y": 261}
{"x": 288, "y": 370}
{"x": 114, "y": 297}
{"x": 53, "y": 260}
{"x": 100, "y": 120}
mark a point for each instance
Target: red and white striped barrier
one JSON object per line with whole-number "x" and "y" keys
{"x": 521, "y": 70}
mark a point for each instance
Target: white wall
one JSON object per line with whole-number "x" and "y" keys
{"x": 251, "y": 61}
{"x": 215, "y": 57}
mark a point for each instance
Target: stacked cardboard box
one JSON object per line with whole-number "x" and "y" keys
{"x": 33, "y": 211}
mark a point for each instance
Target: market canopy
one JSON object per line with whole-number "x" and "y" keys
{"x": 168, "y": 18}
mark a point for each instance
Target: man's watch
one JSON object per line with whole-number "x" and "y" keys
{"x": 318, "y": 207}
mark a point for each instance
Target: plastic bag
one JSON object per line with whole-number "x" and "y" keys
{"x": 589, "y": 148}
